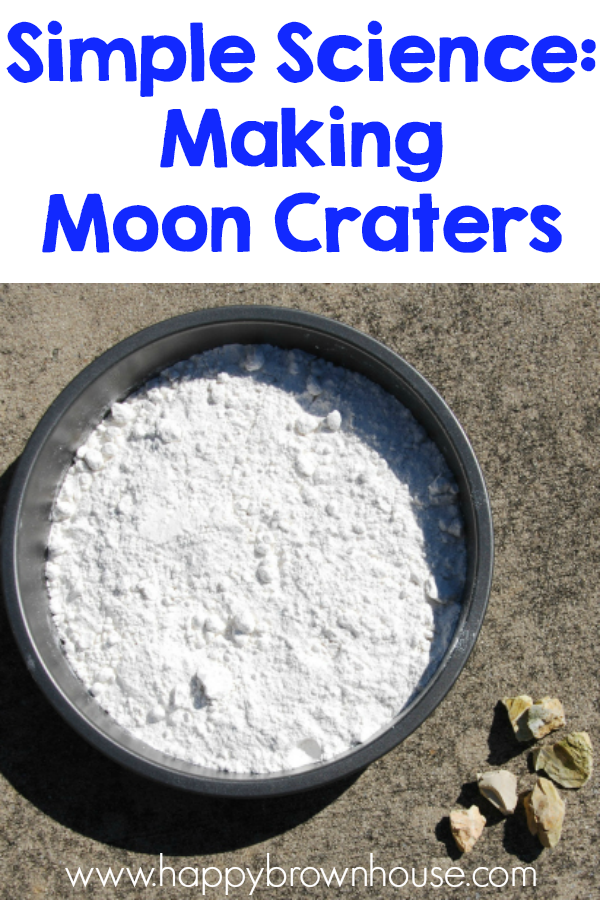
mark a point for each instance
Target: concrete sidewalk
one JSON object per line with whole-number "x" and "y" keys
{"x": 520, "y": 367}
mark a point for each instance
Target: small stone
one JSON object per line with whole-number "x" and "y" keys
{"x": 517, "y": 708}
{"x": 467, "y": 827}
{"x": 500, "y": 788}
{"x": 545, "y": 812}
{"x": 568, "y": 762}
{"x": 533, "y": 720}
{"x": 544, "y": 716}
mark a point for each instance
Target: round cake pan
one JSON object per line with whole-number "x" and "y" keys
{"x": 83, "y": 404}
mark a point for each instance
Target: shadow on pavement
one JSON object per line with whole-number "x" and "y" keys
{"x": 443, "y": 833}
{"x": 502, "y": 741}
{"x": 519, "y": 840}
{"x": 70, "y": 781}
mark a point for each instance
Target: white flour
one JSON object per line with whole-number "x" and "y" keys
{"x": 255, "y": 560}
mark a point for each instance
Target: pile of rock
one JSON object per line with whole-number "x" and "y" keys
{"x": 568, "y": 762}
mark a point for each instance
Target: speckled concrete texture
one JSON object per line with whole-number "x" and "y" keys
{"x": 520, "y": 366}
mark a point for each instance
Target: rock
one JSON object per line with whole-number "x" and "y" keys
{"x": 500, "y": 788}
{"x": 517, "y": 708}
{"x": 545, "y": 812}
{"x": 532, "y": 720}
{"x": 467, "y": 826}
{"x": 544, "y": 716}
{"x": 568, "y": 762}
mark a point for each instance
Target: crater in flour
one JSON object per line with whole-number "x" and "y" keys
{"x": 256, "y": 560}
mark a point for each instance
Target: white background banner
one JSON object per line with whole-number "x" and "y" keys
{"x": 530, "y": 143}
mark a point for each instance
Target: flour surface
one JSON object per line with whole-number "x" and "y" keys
{"x": 256, "y": 559}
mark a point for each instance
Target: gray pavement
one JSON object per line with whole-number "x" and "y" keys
{"x": 519, "y": 365}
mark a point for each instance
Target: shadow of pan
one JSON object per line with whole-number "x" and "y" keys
{"x": 67, "y": 779}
